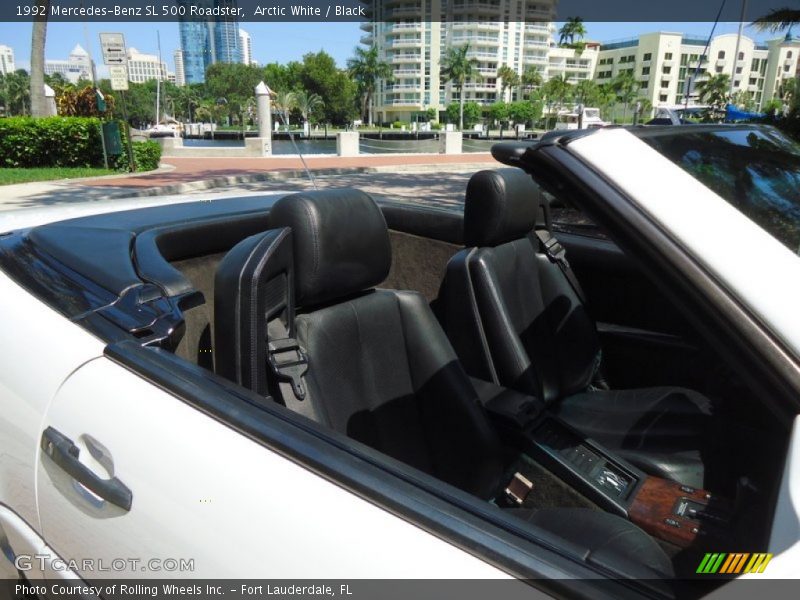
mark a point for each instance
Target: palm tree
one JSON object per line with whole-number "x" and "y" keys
{"x": 626, "y": 88}
{"x": 531, "y": 78}
{"x": 458, "y": 67}
{"x": 307, "y": 103}
{"x": 714, "y": 91}
{"x": 18, "y": 92}
{"x": 284, "y": 102}
{"x": 38, "y": 38}
{"x": 571, "y": 29}
{"x": 586, "y": 92}
{"x": 508, "y": 79}
{"x": 367, "y": 69}
{"x": 556, "y": 92}
{"x": 607, "y": 99}
{"x": 779, "y": 19}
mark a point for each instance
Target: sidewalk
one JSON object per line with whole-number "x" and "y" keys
{"x": 230, "y": 175}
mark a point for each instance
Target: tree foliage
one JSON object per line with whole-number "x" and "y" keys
{"x": 458, "y": 67}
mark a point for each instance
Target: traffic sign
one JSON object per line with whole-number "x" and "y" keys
{"x": 119, "y": 77}
{"x": 113, "y": 46}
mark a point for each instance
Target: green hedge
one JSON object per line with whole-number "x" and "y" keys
{"x": 50, "y": 142}
{"x": 146, "y": 154}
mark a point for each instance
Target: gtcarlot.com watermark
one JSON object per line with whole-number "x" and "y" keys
{"x": 41, "y": 562}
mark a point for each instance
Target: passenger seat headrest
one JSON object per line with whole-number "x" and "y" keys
{"x": 501, "y": 205}
{"x": 341, "y": 243}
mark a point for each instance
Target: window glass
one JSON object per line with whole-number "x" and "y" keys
{"x": 756, "y": 170}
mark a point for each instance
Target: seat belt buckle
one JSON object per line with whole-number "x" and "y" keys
{"x": 289, "y": 368}
{"x": 518, "y": 489}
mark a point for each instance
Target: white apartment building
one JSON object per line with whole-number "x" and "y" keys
{"x": 413, "y": 35}
{"x": 246, "y": 46}
{"x": 145, "y": 67}
{"x": 78, "y": 66}
{"x": 6, "y": 60}
{"x": 665, "y": 63}
{"x": 575, "y": 66}
{"x": 180, "y": 72}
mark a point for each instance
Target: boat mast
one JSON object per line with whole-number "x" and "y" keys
{"x": 158, "y": 81}
{"x": 738, "y": 43}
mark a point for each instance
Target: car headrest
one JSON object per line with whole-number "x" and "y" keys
{"x": 501, "y": 205}
{"x": 341, "y": 243}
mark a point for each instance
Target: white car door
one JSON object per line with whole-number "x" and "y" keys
{"x": 179, "y": 494}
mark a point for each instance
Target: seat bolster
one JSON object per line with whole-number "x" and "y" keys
{"x": 461, "y": 319}
{"x": 242, "y": 301}
{"x": 465, "y": 448}
{"x": 511, "y": 361}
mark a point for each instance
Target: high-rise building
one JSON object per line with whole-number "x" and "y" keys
{"x": 205, "y": 43}
{"x": 226, "y": 35}
{"x": 144, "y": 67}
{"x": 246, "y": 45}
{"x": 6, "y": 60}
{"x": 413, "y": 36}
{"x": 666, "y": 64}
{"x": 78, "y": 66}
{"x": 196, "y": 43}
{"x": 180, "y": 73}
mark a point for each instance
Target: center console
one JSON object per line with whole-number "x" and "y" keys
{"x": 676, "y": 513}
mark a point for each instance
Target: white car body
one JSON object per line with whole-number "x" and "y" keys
{"x": 206, "y": 492}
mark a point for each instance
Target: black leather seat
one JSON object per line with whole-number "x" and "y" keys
{"x": 514, "y": 319}
{"x": 382, "y": 371}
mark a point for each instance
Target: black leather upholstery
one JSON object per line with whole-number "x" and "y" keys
{"x": 341, "y": 245}
{"x": 515, "y": 320}
{"x": 382, "y": 371}
{"x": 254, "y": 283}
{"x": 508, "y": 212}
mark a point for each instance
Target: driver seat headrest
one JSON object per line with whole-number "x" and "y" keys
{"x": 341, "y": 243}
{"x": 501, "y": 205}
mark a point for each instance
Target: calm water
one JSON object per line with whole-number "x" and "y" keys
{"x": 366, "y": 146}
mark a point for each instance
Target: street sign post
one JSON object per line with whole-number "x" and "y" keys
{"x": 119, "y": 77}
{"x": 113, "y": 46}
{"x": 115, "y": 57}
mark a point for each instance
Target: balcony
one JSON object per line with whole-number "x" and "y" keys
{"x": 398, "y": 58}
{"x": 403, "y": 87}
{"x": 542, "y": 14}
{"x": 482, "y": 55}
{"x": 412, "y": 103}
{"x": 411, "y": 10}
{"x": 407, "y": 72}
{"x": 480, "y": 87}
{"x": 403, "y": 27}
{"x": 531, "y": 43}
{"x": 476, "y": 39}
{"x": 403, "y": 43}
{"x": 367, "y": 40}
{"x": 476, "y": 8}
{"x": 476, "y": 26}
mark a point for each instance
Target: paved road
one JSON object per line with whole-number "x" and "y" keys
{"x": 433, "y": 179}
{"x": 442, "y": 188}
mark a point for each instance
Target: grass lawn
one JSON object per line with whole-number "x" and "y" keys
{"x": 13, "y": 175}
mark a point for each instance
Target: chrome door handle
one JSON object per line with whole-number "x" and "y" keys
{"x": 65, "y": 454}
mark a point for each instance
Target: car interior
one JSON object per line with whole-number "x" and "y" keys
{"x": 461, "y": 344}
{"x": 497, "y": 348}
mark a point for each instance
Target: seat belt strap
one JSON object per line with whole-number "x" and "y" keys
{"x": 553, "y": 249}
{"x": 289, "y": 363}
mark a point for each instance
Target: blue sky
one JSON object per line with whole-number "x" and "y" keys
{"x": 280, "y": 42}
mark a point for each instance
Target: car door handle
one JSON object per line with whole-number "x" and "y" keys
{"x": 65, "y": 454}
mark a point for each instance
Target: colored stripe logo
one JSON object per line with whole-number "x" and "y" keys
{"x": 734, "y": 563}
